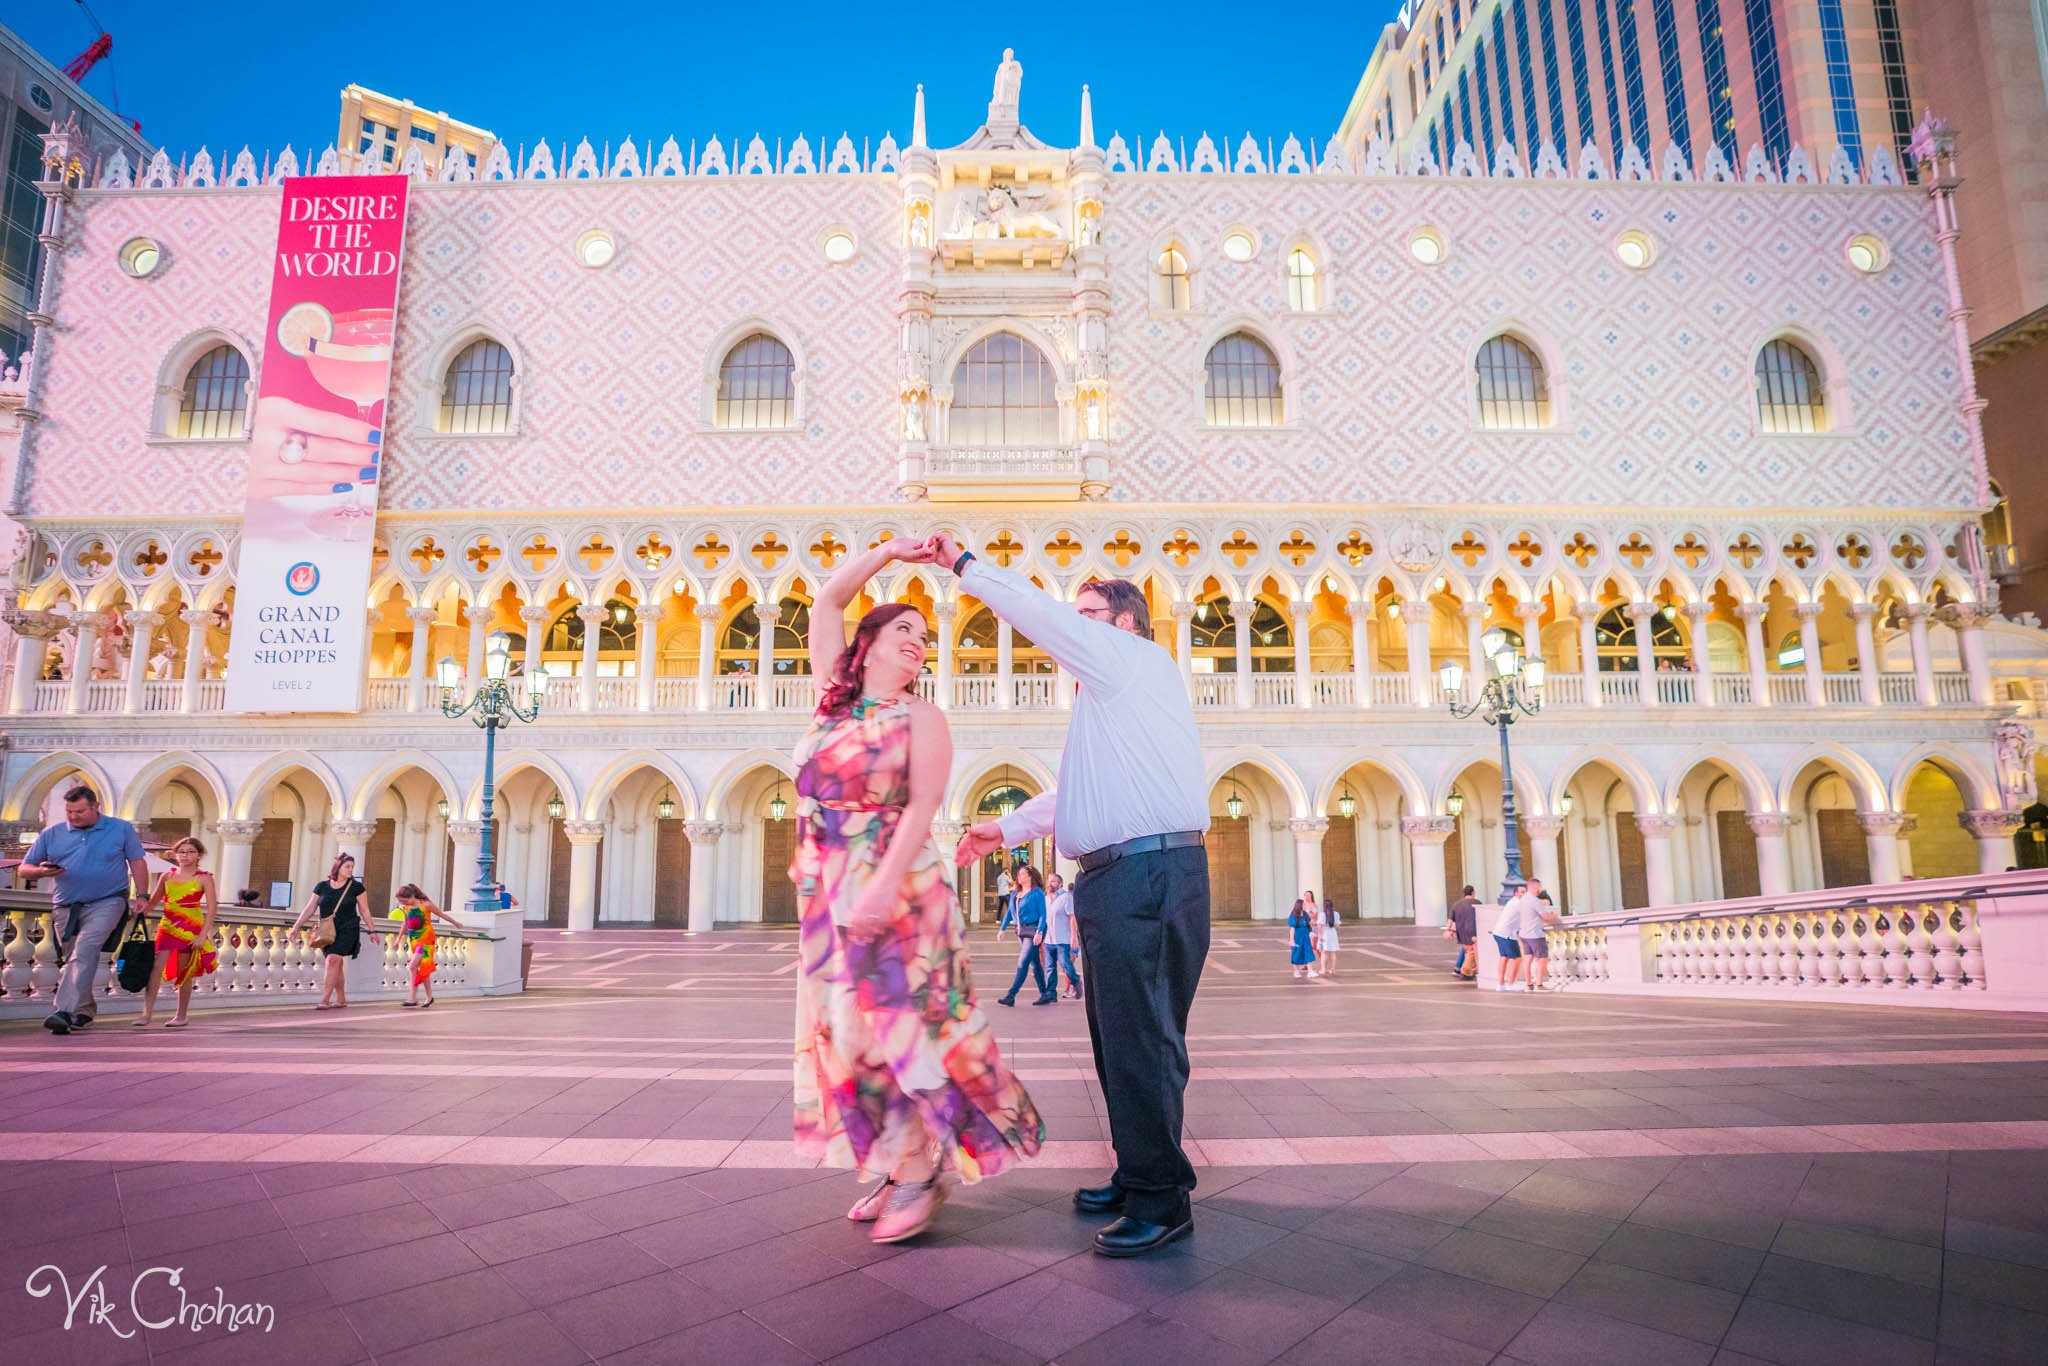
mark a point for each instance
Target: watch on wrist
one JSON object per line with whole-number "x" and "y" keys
{"x": 960, "y": 565}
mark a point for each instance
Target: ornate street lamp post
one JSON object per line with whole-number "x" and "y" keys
{"x": 1516, "y": 685}
{"x": 491, "y": 707}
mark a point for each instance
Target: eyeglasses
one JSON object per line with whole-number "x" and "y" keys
{"x": 1098, "y": 613}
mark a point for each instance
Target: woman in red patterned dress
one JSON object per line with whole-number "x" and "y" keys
{"x": 184, "y": 936}
{"x": 897, "y": 1073}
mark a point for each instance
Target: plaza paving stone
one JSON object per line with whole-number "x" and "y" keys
{"x": 1394, "y": 1168}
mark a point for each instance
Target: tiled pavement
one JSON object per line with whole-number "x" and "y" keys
{"x": 1395, "y": 1169}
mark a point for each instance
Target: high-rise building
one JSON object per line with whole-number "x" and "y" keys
{"x": 35, "y": 97}
{"x": 1839, "y": 80}
{"x": 377, "y": 131}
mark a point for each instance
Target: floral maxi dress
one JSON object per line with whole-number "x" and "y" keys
{"x": 888, "y": 1030}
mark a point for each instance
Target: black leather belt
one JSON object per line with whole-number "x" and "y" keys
{"x": 1143, "y": 844}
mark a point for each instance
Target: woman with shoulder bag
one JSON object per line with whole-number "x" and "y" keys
{"x": 338, "y": 930}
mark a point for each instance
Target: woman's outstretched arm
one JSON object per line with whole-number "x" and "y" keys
{"x": 828, "y": 612}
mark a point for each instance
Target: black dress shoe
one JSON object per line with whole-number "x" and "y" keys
{"x": 1045, "y": 1000}
{"x": 1107, "y": 1199}
{"x": 1006, "y": 1000}
{"x": 1129, "y": 1237}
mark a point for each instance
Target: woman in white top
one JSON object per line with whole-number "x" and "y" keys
{"x": 1326, "y": 941}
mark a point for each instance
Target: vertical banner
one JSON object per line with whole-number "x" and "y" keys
{"x": 302, "y": 579}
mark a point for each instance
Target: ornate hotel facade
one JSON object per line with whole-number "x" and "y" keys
{"x": 1704, "y": 443}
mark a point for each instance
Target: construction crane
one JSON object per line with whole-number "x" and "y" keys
{"x": 102, "y": 47}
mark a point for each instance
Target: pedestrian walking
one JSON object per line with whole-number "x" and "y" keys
{"x": 1326, "y": 937}
{"x": 98, "y": 865}
{"x": 897, "y": 1072}
{"x": 1031, "y": 938}
{"x": 1059, "y": 937}
{"x": 1301, "y": 942}
{"x": 184, "y": 935}
{"x": 1464, "y": 927}
{"x": 1006, "y": 899}
{"x": 1132, "y": 809}
{"x": 418, "y": 921}
{"x": 338, "y": 929}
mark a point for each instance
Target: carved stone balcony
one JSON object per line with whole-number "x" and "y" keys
{"x": 1003, "y": 473}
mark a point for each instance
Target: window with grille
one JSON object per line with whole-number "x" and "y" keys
{"x": 1788, "y": 391}
{"x": 215, "y": 398}
{"x": 1513, "y": 392}
{"x": 1303, "y": 295}
{"x": 476, "y": 393}
{"x": 757, "y": 385}
{"x": 1170, "y": 287}
{"x": 1242, "y": 385}
{"x": 1003, "y": 395}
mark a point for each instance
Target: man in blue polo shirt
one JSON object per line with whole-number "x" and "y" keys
{"x": 95, "y": 859}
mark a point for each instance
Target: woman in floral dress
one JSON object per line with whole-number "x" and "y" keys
{"x": 897, "y": 1073}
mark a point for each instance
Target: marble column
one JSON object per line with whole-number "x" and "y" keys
{"x": 535, "y": 618}
{"x": 1426, "y": 836}
{"x": 33, "y": 632}
{"x": 1864, "y": 615}
{"x": 707, "y": 614}
{"x": 353, "y": 838}
{"x": 1657, "y": 872}
{"x": 593, "y": 616}
{"x": 1184, "y": 643}
{"x": 1809, "y": 646}
{"x": 467, "y": 837}
{"x": 421, "y": 671}
{"x": 647, "y": 617}
{"x": 1702, "y": 660}
{"x": 87, "y": 627}
{"x": 237, "y": 850}
{"x": 1644, "y": 615}
{"x": 1298, "y": 614}
{"x": 141, "y": 630}
{"x": 196, "y": 623}
{"x": 1360, "y": 613}
{"x": 1308, "y": 854}
{"x": 1587, "y": 614}
{"x": 1421, "y": 686}
{"x": 1993, "y": 831}
{"x": 1475, "y": 650}
{"x": 703, "y": 908}
{"x": 1881, "y": 838}
{"x": 473, "y": 658}
{"x": 1967, "y": 621}
{"x": 1773, "y": 852}
{"x": 1923, "y": 661}
{"x": 1529, "y": 615}
{"x": 1006, "y": 663}
{"x": 943, "y": 616}
{"x": 768, "y": 614}
{"x": 1241, "y": 617}
{"x": 584, "y": 839}
{"x": 1753, "y": 614}
{"x": 1543, "y": 832}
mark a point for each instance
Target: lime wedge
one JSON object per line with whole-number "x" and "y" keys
{"x": 302, "y": 325}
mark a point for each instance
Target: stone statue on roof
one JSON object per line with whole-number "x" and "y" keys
{"x": 1002, "y": 110}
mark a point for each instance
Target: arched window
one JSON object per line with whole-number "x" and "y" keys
{"x": 617, "y": 635}
{"x": 1213, "y": 633}
{"x": 756, "y": 385}
{"x": 1614, "y": 635}
{"x": 739, "y": 646}
{"x": 1304, "y": 289}
{"x": 1003, "y": 395}
{"x": 476, "y": 393}
{"x": 1512, "y": 390}
{"x": 1788, "y": 390}
{"x": 215, "y": 398}
{"x": 1170, "y": 288}
{"x": 976, "y": 651}
{"x": 1243, "y": 383}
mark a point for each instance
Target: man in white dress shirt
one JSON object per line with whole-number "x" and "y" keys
{"x": 1131, "y": 808}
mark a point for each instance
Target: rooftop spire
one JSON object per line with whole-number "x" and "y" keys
{"x": 917, "y": 120}
{"x": 1087, "y": 119}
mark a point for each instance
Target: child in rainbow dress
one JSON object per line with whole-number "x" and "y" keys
{"x": 418, "y": 916}
{"x": 184, "y": 936}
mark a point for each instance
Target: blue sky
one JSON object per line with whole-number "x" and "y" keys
{"x": 265, "y": 74}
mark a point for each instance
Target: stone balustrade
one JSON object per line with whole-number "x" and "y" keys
{"x": 262, "y": 962}
{"x": 1040, "y": 692}
{"x": 1978, "y": 942}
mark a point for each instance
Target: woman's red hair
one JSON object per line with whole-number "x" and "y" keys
{"x": 849, "y": 670}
